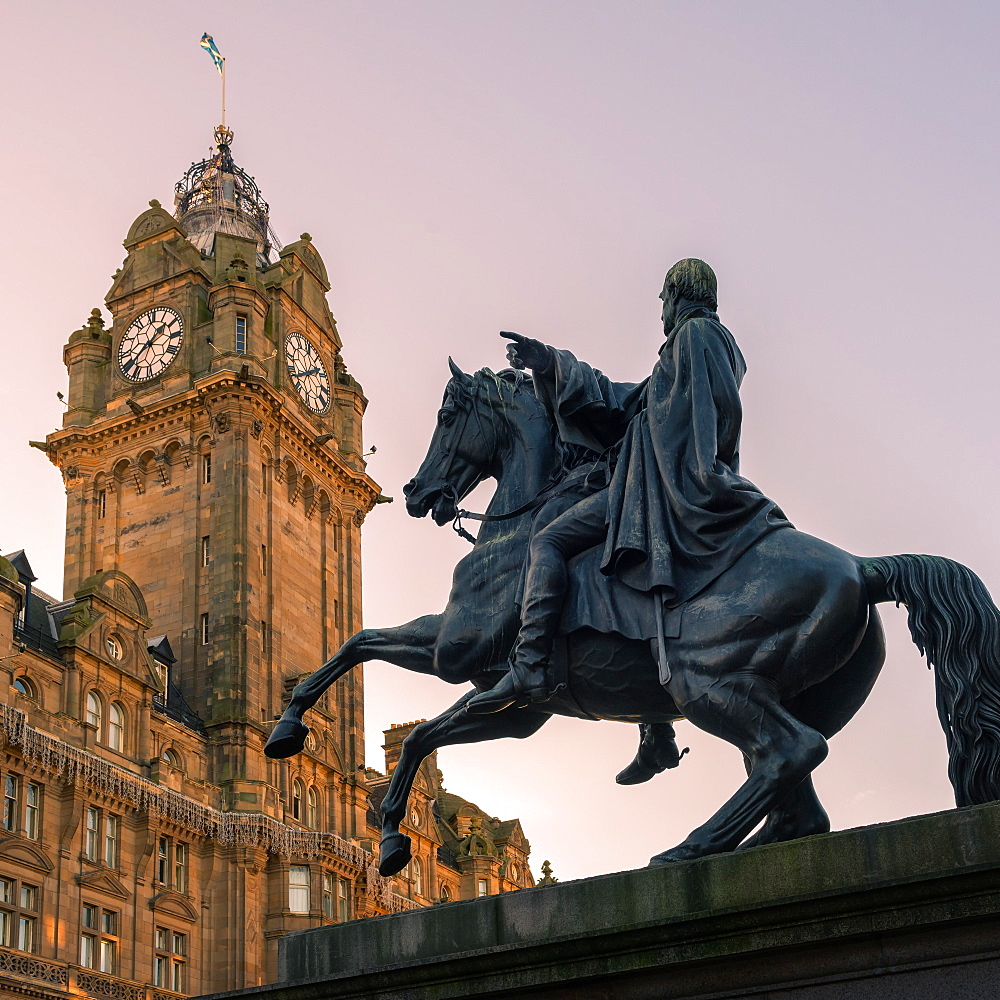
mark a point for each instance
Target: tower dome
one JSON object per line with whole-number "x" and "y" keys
{"x": 217, "y": 196}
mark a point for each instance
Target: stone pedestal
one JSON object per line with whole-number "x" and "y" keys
{"x": 901, "y": 910}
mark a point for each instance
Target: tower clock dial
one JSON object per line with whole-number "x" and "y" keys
{"x": 307, "y": 372}
{"x": 150, "y": 343}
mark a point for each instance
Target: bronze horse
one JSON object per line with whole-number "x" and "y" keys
{"x": 775, "y": 656}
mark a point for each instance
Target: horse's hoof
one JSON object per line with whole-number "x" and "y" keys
{"x": 394, "y": 854}
{"x": 287, "y": 739}
{"x": 676, "y": 855}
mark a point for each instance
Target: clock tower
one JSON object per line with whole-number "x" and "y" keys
{"x": 211, "y": 451}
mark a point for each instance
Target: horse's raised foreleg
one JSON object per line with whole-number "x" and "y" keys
{"x": 410, "y": 646}
{"x": 744, "y": 710}
{"x": 449, "y": 729}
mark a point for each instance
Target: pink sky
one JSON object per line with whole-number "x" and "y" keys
{"x": 536, "y": 166}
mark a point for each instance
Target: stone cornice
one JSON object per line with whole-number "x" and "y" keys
{"x": 215, "y": 387}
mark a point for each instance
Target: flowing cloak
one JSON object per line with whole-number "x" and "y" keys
{"x": 679, "y": 513}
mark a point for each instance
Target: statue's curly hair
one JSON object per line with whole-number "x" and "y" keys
{"x": 694, "y": 280}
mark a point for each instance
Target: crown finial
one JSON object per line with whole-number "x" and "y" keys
{"x": 223, "y": 136}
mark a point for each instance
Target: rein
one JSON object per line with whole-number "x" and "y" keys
{"x": 581, "y": 475}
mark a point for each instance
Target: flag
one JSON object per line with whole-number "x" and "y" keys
{"x": 208, "y": 44}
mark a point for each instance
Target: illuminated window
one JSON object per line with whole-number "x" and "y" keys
{"x": 206, "y": 469}
{"x": 312, "y": 809}
{"x": 481, "y": 888}
{"x": 116, "y": 727}
{"x": 241, "y": 334}
{"x": 343, "y": 899}
{"x": 298, "y": 889}
{"x": 114, "y": 648}
{"x": 169, "y": 963}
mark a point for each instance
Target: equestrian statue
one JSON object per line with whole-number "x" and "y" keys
{"x": 625, "y": 570}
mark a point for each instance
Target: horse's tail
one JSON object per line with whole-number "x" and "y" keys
{"x": 956, "y": 625}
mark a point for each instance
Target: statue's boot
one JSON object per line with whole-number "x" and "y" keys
{"x": 657, "y": 752}
{"x": 525, "y": 683}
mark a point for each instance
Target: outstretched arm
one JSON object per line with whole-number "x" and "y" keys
{"x": 589, "y": 409}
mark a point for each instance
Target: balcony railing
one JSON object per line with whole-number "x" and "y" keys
{"x": 73, "y": 980}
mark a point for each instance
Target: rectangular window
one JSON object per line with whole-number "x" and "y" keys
{"x": 328, "y": 896}
{"x": 180, "y": 867}
{"x": 343, "y": 899}
{"x": 32, "y": 810}
{"x": 168, "y": 964}
{"x": 91, "y": 846}
{"x": 263, "y": 560}
{"x": 10, "y": 789}
{"x": 26, "y": 933}
{"x": 163, "y": 860}
{"x": 481, "y": 889}
{"x": 206, "y": 549}
{"x": 298, "y": 889}
{"x": 111, "y": 832}
{"x": 263, "y": 480}
{"x": 18, "y": 911}
{"x": 102, "y": 503}
{"x": 204, "y": 629}
{"x": 109, "y": 955}
{"x": 241, "y": 334}
{"x": 206, "y": 469}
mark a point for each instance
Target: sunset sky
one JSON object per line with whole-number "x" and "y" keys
{"x": 470, "y": 167}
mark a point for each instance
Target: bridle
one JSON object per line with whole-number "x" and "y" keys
{"x": 575, "y": 478}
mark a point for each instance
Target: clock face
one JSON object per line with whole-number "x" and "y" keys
{"x": 150, "y": 344}
{"x": 308, "y": 374}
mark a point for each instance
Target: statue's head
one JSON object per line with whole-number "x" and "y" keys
{"x": 689, "y": 280}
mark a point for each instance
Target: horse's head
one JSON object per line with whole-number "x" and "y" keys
{"x": 472, "y": 428}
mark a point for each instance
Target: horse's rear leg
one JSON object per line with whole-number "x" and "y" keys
{"x": 744, "y": 710}
{"x": 827, "y": 707}
{"x": 410, "y": 646}
{"x": 449, "y": 729}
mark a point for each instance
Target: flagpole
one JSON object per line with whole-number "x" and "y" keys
{"x": 223, "y": 93}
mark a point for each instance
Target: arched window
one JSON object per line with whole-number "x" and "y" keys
{"x": 445, "y": 894}
{"x": 23, "y": 686}
{"x": 418, "y": 877}
{"x": 116, "y": 727}
{"x": 297, "y": 799}
{"x": 171, "y": 757}
{"x": 312, "y": 809}
{"x": 95, "y": 711}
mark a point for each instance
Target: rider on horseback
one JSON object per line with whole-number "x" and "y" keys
{"x": 676, "y": 513}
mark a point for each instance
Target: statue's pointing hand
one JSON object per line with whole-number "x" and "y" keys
{"x": 526, "y": 352}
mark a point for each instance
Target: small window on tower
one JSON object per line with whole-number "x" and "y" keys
{"x": 102, "y": 503}
{"x": 206, "y": 549}
{"x": 241, "y": 334}
{"x": 206, "y": 468}
{"x": 204, "y": 629}
{"x": 263, "y": 560}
